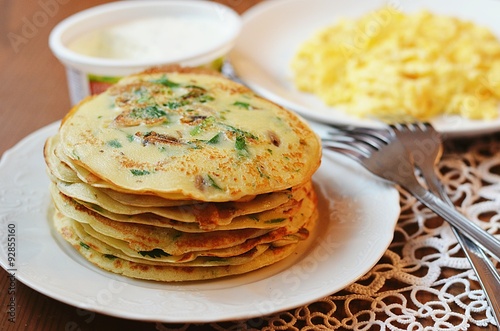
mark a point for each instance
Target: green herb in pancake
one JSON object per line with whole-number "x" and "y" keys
{"x": 154, "y": 253}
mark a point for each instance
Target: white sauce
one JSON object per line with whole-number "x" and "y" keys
{"x": 156, "y": 38}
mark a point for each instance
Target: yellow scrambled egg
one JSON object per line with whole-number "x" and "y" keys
{"x": 392, "y": 65}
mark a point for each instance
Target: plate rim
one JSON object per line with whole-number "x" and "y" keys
{"x": 46, "y": 289}
{"x": 449, "y": 126}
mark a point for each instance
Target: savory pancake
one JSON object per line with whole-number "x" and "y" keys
{"x": 178, "y": 174}
{"x": 115, "y": 247}
{"x": 188, "y": 135}
{"x": 56, "y": 168}
{"x": 108, "y": 245}
{"x": 166, "y": 273}
{"x": 223, "y": 213}
{"x": 144, "y": 237}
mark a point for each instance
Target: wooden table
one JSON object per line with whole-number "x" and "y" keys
{"x": 33, "y": 93}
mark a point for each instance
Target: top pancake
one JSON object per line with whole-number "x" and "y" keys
{"x": 189, "y": 134}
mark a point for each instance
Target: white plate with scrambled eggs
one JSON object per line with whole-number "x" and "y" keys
{"x": 365, "y": 61}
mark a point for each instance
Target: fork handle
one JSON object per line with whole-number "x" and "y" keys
{"x": 486, "y": 272}
{"x": 475, "y": 233}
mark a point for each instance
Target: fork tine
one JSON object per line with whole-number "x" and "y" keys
{"x": 415, "y": 127}
{"x": 394, "y": 163}
{"x": 347, "y": 152}
{"x": 412, "y": 126}
{"x": 372, "y": 138}
{"x": 428, "y": 138}
{"x": 415, "y": 136}
{"x": 367, "y": 145}
{"x": 348, "y": 146}
{"x": 375, "y": 140}
{"x": 365, "y": 140}
{"x": 432, "y": 131}
{"x": 360, "y": 132}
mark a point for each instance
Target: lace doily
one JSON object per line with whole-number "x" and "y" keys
{"x": 423, "y": 281}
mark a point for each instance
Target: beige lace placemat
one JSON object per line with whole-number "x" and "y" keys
{"x": 423, "y": 281}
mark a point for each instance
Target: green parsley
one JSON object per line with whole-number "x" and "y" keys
{"x": 114, "y": 143}
{"x": 95, "y": 207}
{"x": 215, "y": 139}
{"x": 154, "y": 253}
{"x": 241, "y": 146}
{"x": 239, "y": 131}
{"x": 142, "y": 95}
{"x": 148, "y": 112}
{"x": 212, "y": 182}
{"x": 196, "y": 130}
{"x": 205, "y": 123}
{"x": 139, "y": 172}
{"x": 175, "y": 104}
{"x": 241, "y": 104}
{"x": 262, "y": 174}
{"x": 195, "y": 87}
{"x": 166, "y": 82}
{"x": 204, "y": 98}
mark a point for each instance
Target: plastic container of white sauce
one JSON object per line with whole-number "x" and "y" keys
{"x": 100, "y": 45}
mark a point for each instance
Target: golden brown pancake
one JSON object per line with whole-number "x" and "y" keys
{"x": 167, "y": 273}
{"x": 188, "y": 135}
{"x": 179, "y": 174}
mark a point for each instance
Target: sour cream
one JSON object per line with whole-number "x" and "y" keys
{"x": 100, "y": 45}
{"x": 154, "y": 38}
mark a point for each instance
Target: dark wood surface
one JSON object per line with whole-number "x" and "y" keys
{"x": 33, "y": 93}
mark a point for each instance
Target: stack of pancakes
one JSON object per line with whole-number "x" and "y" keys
{"x": 179, "y": 174}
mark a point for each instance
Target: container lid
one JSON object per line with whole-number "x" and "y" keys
{"x": 112, "y": 14}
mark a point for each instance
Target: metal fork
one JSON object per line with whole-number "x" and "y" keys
{"x": 424, "y": 143}
{"x": 388, "y": 158}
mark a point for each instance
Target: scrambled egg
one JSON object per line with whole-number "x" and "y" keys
{"x": 392, "y": 65}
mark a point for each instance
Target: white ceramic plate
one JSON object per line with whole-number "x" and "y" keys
{"x": 273, "y": 30}
{"x": 357, "y": 218}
